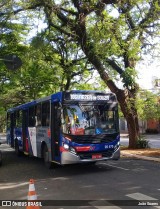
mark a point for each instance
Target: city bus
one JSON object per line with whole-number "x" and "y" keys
{"x": 67, "y": 127}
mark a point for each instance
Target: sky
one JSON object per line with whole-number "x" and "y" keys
{"x": 147, "y": 72}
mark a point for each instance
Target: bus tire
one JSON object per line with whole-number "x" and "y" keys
{"x": 47, "y": 163}
{"x": 0, "y": 158}
{"x": 18, "y": 152}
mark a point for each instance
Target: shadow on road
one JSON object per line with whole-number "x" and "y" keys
{"x": 23, "y": 168}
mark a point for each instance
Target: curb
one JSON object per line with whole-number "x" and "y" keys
{"x": 141, "y": 157}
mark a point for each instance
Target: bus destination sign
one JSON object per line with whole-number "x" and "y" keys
{"x": 89, "y": 97}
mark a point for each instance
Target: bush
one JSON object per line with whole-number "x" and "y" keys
{"x": 142, "y": 143}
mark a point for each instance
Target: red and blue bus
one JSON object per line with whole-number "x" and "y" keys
{"x": 67, "y": 127}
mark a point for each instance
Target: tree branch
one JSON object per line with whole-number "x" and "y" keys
{"x": 69, "y": 11}
{"x": 62, "y": 30}
{"x": 114, "y": 65}
{"x": 110, "y": 1}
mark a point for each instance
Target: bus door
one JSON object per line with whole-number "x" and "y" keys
{"x": 24, "y": 131}
{"x": 55, "y": 130}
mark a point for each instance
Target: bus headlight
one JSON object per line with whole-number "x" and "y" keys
{"x": 66, "y": 146}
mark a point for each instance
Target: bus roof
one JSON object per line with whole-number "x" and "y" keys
{"x": 59, "y": 97}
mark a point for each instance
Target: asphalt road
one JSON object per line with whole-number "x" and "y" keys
{"x": 83, "y": 186}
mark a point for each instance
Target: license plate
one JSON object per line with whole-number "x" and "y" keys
{"x": 97, "y": 156}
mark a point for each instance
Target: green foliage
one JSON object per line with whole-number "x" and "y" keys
{"x": 120, "y": 112}
{"x": 142, "y": 143}
{"x": 87, "y": 84}
{"x": 148, "y": 105}
{"x": 128, "y": 77}
{"x": 115, "y": 31}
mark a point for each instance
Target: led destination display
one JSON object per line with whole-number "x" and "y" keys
{"x": 89, "y": 97}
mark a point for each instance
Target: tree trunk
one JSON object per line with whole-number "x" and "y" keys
{"x": 133, "y": 131}
{"x": 131, "y": 116}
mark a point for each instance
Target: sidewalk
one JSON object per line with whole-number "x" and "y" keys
{"x": 2, "y": 138}
{"x": 152, "y": 154}
{"x": 126, "y": 153}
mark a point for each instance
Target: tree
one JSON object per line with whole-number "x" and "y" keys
{"x": 66, "y": 55}
{"x": 111, "y": 43}
{"x": 11, "y": 35}
{"x": 148, "y": 106}
{"x": 147, "y": 103}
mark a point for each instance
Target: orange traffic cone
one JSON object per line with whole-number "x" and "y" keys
{"x": 32, "y": 197}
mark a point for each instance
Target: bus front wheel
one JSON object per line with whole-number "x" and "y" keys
{"x": 47, "y": 163}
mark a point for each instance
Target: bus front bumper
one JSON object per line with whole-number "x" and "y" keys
{"x": 71, "y": 158}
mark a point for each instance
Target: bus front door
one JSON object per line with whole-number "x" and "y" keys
{"x": 55, "y": 131}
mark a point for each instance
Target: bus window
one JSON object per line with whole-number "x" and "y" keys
{"x": 88, "y": 120}
{"x": 31, "y": 121}
{"x": 38, "y": 115}
{"x": 18, "y": 116}
{"x": 46, "y": 113}
{"x": 110, "y": 119}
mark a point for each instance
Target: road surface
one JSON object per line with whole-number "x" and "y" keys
{"x": 119, "y": 184}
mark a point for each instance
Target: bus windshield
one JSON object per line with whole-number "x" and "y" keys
{"x": 88, "y": 120}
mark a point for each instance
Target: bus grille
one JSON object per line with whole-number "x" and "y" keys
{"x": 94, "y": 139}
{"x": 88, "y": 155}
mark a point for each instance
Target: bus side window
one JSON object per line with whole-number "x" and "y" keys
{"x": 46, "y": 113}
{"x": 32, "y": 121}
{"x": 110, "y": 119}
{"x": 38, "y": 115}
{"x": 18, "y": 116}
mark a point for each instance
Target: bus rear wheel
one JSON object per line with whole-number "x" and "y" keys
{"x": 47, "y": 163}
{"x": 18, "y": 152}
